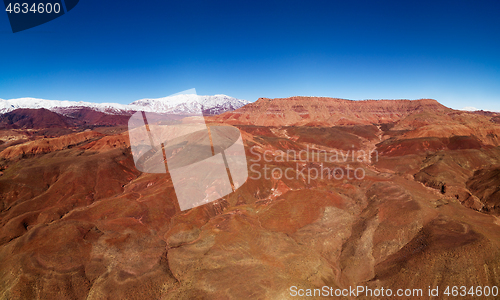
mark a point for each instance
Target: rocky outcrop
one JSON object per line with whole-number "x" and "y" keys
{"x": 485, "y": 184}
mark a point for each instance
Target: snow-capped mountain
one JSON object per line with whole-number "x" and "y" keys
{"x": 178, "y": 104}
{"x": 56, "y": 105}
{"x": 473, "y": 109}
{"x": 189, "y": 104}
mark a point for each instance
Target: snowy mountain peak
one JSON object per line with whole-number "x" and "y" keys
{"x": 178, "y": 104}
{"x": 190, "y": 104}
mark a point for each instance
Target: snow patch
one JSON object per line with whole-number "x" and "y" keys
{"x": 470, "y": 108}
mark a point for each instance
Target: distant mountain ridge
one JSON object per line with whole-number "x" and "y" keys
{"x": 325, "y": 111}
{"x": 33, "y": 118}
{"x": 420, "y": 118}
{"x": 179, "y": 104}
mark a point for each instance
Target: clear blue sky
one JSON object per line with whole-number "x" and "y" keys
{"x": 121, "y": 51}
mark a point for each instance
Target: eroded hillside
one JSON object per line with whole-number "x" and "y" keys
{"x": 386, "y": 203}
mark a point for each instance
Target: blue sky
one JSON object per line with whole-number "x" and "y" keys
{"x": 121, "y": 51}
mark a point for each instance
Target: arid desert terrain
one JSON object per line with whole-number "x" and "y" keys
{"x": 378, "y": 193}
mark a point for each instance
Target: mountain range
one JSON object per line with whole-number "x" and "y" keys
{"x": 184, "y": 104}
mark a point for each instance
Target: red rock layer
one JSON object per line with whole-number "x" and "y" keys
{"x": 326, "y": 111}
{"x": 47, "y": 145}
